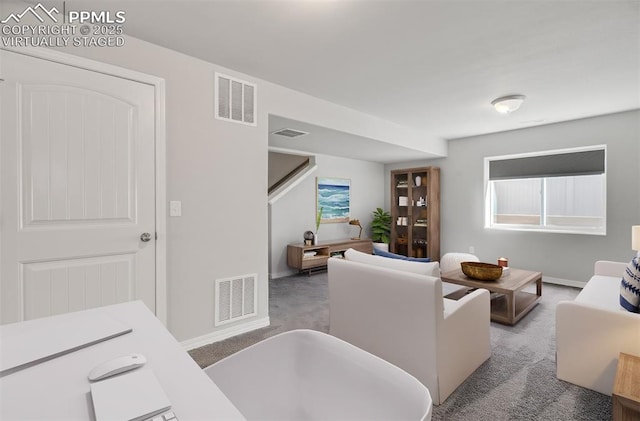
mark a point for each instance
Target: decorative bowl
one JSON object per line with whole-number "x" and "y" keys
{"x": 481, "y": 271}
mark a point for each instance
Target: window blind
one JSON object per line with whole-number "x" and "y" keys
{"x": 555, "y": 165}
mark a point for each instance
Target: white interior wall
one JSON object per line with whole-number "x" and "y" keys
{"x": 219, "y": 171}
{"x": 562, "y": 256}
{"x": 294, "y": 213}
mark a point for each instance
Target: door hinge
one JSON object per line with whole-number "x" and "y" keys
{"x": 156, "y": 236}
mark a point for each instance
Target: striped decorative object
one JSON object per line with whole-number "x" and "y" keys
{"x": 630, "y": 287}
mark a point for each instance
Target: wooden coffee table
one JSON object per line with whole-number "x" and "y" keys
{"x": 508, "y": 302}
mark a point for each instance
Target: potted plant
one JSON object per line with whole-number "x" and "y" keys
{"x": 381, "y": 229}
{"x": 318, "y": 220}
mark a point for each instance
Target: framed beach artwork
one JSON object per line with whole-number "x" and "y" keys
{"x": 333, "y": 199}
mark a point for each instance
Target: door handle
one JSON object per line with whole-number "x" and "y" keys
{"x": 145, "y": 237}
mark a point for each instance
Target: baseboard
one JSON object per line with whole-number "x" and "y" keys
{"x": 220, "y": 335}
{"x": 277, "y": 275}
{"x": 565, "y": 282}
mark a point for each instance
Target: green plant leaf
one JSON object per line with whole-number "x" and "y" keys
{"x": 319, "y": 218}
{"x": 381, "y": 226}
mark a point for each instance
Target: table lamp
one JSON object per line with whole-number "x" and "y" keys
{"x": 356, "y": 222}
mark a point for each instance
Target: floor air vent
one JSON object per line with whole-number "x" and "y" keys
{"x": 235, "y": 100}
{"x": 236, "y": 298}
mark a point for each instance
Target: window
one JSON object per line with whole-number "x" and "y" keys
{"x": 555, "y": 191}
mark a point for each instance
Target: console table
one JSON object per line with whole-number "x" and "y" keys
{"x": 308, "y": 258}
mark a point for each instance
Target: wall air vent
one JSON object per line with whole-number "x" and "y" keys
{"x": 236, "y": 298}
{"x": 236, "y": 100}
{"x": 290, "y": 132}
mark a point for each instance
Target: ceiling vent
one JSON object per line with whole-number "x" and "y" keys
{"x": 236, "y": 100}
{"x": 290, "y": 132}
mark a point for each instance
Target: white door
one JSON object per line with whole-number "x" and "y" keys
{"x": 77, "y": 189}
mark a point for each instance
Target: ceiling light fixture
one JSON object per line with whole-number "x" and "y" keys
{"x": 508, "y": 104}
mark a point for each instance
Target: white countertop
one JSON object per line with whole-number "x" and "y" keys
{"x": 58, "y": 389}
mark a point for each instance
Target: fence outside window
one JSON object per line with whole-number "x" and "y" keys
{"x": 555, "y": 191}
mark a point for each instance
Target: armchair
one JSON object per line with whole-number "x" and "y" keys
{"x": 401, "y": 317}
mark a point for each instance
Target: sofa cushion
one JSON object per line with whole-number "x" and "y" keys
{"x": 630, "y": 287}
{"x": 602, "y": 292}
{"x": 421, "y": 268}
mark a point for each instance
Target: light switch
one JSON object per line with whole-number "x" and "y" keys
{"x": 175, "y": 208}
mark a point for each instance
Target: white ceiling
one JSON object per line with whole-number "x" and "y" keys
{"x": 432, "y": 65}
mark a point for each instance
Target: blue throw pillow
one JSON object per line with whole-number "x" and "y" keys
{"x": 390, "y": 255}
{"x": 630, "y": 287}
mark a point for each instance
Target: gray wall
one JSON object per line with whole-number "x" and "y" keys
{"x": 294, "y": 213}
{"x": 218, "y": 170}
{"x": 562, "y": 256}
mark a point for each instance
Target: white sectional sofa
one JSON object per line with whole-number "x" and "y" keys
{"x": 593, "y": 329}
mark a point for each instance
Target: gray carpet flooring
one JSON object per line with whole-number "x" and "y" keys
{"x": 518, "y": 382}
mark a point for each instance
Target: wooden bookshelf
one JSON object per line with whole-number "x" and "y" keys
{"x": 415, "y": 212}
